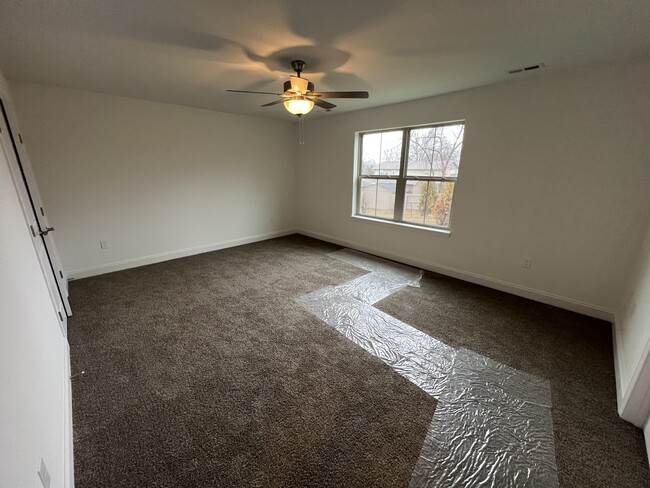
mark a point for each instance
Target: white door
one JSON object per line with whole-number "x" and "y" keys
{"x": 13, "y": 151}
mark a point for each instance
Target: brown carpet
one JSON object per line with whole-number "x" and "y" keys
{"x": 594, "y": 446}
{"x": 203, "y": 371}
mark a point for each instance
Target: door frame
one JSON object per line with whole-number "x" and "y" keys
{"x": 21, "y": 171}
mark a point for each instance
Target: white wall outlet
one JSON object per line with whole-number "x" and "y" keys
{"x": 44, "y": 475}
{"x": 103, "y": 244}
{"x": 527, "y": 262}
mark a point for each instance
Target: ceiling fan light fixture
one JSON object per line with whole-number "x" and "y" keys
{"x": 298, "y": 105}
{"x": 299, "y": 96}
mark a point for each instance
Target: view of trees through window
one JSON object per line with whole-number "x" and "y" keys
{"x": 413, "y": 184}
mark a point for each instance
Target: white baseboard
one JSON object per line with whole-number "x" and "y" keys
{"x": 522, "y": 291}
{"x": 537, "y": 295}
{"x": 76, "y": 274}
{"x": 68, "y": 445}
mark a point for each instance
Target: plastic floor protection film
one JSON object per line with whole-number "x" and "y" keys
{"x": 492, "y": 425}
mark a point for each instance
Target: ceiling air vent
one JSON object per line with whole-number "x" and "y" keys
{"x": 526, "y": 68}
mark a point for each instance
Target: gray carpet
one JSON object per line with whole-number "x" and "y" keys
{"x": 203, "y": 371}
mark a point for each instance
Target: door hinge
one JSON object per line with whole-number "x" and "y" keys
{"x": 61, "y": 273}
{"x": 60, "y": 316}
{"x": 33, "y": 231}
{"x": 42, "y": 212}
{"x": 20, "y": 137}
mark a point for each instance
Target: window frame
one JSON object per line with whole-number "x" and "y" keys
{"x": 401, "y": 178}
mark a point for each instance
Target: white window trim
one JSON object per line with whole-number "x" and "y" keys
{"x": 437, "y": 230}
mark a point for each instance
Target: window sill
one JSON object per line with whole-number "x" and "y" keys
{"x": 418, "y": 228}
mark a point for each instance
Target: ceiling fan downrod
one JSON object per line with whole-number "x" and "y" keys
{"x": 298, "y": 66}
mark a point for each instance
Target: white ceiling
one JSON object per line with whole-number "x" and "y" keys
{"x": 189, "y": 52}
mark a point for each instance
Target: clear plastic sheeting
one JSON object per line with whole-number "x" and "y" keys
{"x": 413, "y": 354}
{"x": 385, "y": 278}
{"x": 492, "y": 425}
{"x": 372, "y": 287}
{"x": 382, "y": 267}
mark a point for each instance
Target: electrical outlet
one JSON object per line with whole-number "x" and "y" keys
{"x": 44, "y": 475}
{"x": 527, "y": 262}
{"x": 103, "y": 244}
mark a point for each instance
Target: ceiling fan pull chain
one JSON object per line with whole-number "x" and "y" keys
{"x": 301, "y": 140}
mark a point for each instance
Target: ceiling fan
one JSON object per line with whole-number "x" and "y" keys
{"x": 299, "y": 96}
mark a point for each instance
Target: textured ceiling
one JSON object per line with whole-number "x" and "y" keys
{"x": 189, "y": 52}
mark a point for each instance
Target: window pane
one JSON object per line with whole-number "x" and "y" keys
{"x": 435, "y": 151}
{"x": 428, "y": 202}
{"x": 380, "y": 153}
{"x": 377, "y": 198}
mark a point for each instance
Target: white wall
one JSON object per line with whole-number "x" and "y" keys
{"x": 633, "y": 342}
{"x": 554, "y": 167}
{"x": 155, "y": 180}
{"x": 33, "y": 353}
{"x": 634, "y": 317}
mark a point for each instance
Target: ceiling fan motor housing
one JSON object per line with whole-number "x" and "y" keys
{"x": 298, "y": 85}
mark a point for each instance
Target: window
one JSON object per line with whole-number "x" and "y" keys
{"x": 408, "y": 175}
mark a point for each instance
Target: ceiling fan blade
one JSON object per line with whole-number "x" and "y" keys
{"x": 341, "y": 94}
{"x": 259, "y": 93}
{"x": 273, "y": 103}
{"x": 323, "y": 104}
